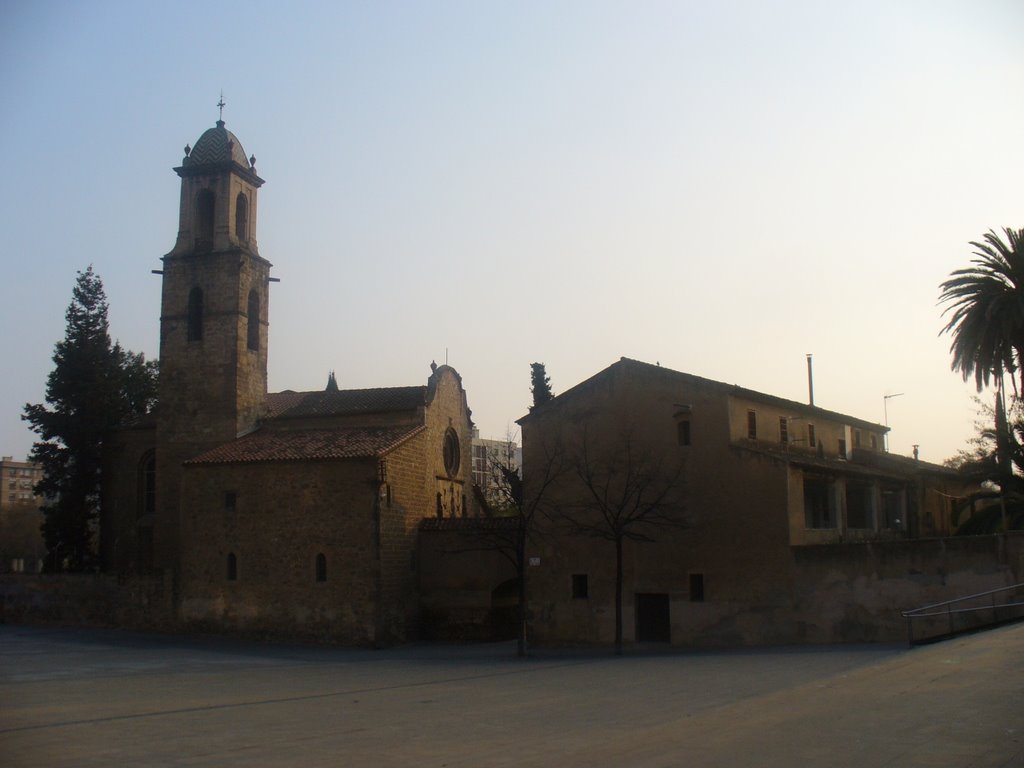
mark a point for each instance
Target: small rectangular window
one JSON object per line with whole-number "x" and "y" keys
{"x": 783, "y": 429}
{"x": 811, "y": 441}
{"x": 856, "y": 438}
{"x": 696, "y": 587}
{"x": 860, "y": 507}
{"x": 683, "y": 431}
{"x": 580, "y": 587}
{"x": 752, "y": 425}
{"x": 819, "y": 502}
{"x": 230, "y": 501}
{"x": 842, "y": 448}
{"x": 892, "y": 507}
{"x": 874, "y": 443}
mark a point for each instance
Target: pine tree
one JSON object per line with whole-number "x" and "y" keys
{"x": 540, "y": 384}
{"x": 94, "y": 386}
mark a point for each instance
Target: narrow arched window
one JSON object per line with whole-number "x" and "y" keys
{"x": 232, "y": 567}
{"x": 242, "y": 217}
{"x": 195, "y": 314}
{"x": 321, "y": 567}
{"x": 253, "y": 330}
{"x": 147, "y": 485}
{"x": 205, "y": 203}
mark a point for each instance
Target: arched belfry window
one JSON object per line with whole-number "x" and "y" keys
{"x": 205, "y": 203}
{"x": 242, "y": 217}
{"x": 321, "y": 567}
{"x": 232, "y": 573}
{"x": 253, "y": 329}
{"x": 195, "y": 314}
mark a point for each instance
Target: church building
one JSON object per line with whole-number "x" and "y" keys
{"x": 292, "y": 513}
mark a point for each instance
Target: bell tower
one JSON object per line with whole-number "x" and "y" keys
{"x": 213, "y": 317}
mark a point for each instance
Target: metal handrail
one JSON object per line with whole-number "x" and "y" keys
{"x": 950, "y": 612}
{"x": 989, "y": 607}
{"x": 961, "y": 599}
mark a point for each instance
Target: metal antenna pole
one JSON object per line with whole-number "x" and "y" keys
{"x": 885, "y": 407}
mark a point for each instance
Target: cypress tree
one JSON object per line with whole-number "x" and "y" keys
{"x": 94, "y": 386}
{"x": 540, "y": 384}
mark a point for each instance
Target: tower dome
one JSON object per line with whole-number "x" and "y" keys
{"x": 217, "y": 145}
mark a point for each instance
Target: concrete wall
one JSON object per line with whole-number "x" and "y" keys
{"x": 724, "y": 504}
{"x": 740, "y": 512}
{"x": 828, "y": 431}
{"x": 468, "y": 590}
{"x": 827, "y": 594}
{"x": 855, "y": 592}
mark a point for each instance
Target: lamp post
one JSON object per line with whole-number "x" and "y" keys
{"x": 885, "y": 407}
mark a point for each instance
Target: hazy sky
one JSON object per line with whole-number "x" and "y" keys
{"x": 719, "y": 186}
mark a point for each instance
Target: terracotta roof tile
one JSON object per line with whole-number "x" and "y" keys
{"x": 307, "y": 444}
{"x": 344, "y": 402}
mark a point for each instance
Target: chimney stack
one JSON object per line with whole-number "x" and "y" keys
{"x": 810, "y": 378}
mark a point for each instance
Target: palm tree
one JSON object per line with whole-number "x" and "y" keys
{"x": 986, "y": 310}
{"x": 985, "y": 304}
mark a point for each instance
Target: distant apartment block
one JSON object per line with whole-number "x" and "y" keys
{"x": 485, "y": 454}
{"x": 18, "y": 478}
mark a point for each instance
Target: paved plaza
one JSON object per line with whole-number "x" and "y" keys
{"x": 92, "y": 698}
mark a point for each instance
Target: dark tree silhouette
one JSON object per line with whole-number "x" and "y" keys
{"x": 95, "y": 385}
{"x": 985, "y": 305}
{"x": 626, "y": 493}
{"x": 995, "y": 463}
{"x": 519, "y": 511}
{"x": 540, "y": 384}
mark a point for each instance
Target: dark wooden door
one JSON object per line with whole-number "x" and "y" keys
{"x": 653, "y": 624}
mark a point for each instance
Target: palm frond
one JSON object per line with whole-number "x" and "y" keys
{"x": 985, "y": 309}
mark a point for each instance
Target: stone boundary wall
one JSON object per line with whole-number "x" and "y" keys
{"x": 856, "y": 592}
{"x": 840, "y": 592}
{"x": 86, "y": 600}
{"x": 458, "y": 576}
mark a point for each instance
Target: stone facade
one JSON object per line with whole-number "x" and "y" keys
{"x": 290, "y": 513}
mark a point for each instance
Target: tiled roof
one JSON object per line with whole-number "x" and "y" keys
{"x": 902, "y": 463}
{"x": 304, "y": 444}
{"x": 217, "y": 145}
{"x": 279, "y": 402}
{"x": 864, "y": 462}
{"x": 344, "y": 402}
{"x": 730, "y": 389}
